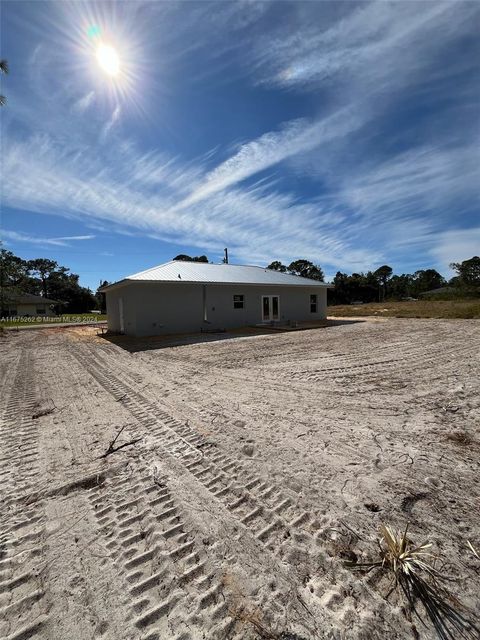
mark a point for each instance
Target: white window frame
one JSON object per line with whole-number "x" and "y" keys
{"x": 314, "y": 302}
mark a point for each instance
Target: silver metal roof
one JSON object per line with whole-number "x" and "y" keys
{"x": 206, "y": 273}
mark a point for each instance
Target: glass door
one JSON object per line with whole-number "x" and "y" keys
{"x": 275, "y": 313}
{"x": 265, "y": 308}
{"x": 270, "y": 308}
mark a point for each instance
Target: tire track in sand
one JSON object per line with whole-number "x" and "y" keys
{"x": 23, "y": 609}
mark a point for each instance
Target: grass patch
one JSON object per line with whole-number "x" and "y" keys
{"x": 466, "y": 308}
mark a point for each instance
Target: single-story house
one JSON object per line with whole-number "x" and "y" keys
{"x": 27, "y": 305}
{"x": 185, "y": 297}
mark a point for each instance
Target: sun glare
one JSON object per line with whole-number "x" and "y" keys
{"x": 108, "y": 59}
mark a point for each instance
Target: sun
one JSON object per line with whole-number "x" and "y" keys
{"x": 108, "y": 59}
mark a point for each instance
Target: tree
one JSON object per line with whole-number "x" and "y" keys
{"x": 339, "y": 294}
{"x": 14, "y": 277}
{"x": 182, "y": 257}
{"x": 101, "y": 297}
{"x": 43, "y": 268}
{"x": 65, "y": 287}
{"x": 306, "y": 269}
{"x": 401, "y": 286}
{"x": 276, "y": 265}
{"x": 43, "y": 277}
{"x": 383, "y": 273}
{"x": 427, "y": 280}
{"x": 3, "y": 69}
{"x": 468, "y": 271}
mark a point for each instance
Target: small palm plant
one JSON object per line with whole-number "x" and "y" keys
{"x": 420, "y": 581}
{"x": 3, "y": 69}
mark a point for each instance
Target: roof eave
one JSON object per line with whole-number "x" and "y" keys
{"x": 126, "y": 281}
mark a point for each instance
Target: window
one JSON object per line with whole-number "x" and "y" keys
{"x": 41, "y": 311}
{"x": 238, "y": 301}
{"x": 313, "y": 303}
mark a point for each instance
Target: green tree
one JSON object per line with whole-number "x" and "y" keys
{"x": 43, "y": 269}
{"x": 182, "y": 257}
{"x": 100, "y": 297}
{"x": 14, "y": 277}
{"x": 426, "y": 280}
{"x": 4, "y": 70}
{"x": 276, "y": 265}
{"x": 306, "y": 269}
{"x": 64, "y": 287}
{"x": 43, "y": 277}
{"x": 401, "y": 286}
{"x": 468, "y": 271}
{"x": 383, "y": 274}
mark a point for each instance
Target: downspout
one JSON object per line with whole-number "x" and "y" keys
{"x": 204, "y": 293}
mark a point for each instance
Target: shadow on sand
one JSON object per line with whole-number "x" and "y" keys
{"x": 149, "y": 343}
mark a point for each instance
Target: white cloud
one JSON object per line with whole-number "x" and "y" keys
{"x": 17, "y": 237}
{"x": 375, "y": 44}
{"x": 455, "y": 245}
{"x": 114, "y": 118}
{"x": 81, "y": 105}
{"x": 253, "y": 222}
{"x": 424, "y": 179}
{"x": 275, "y": 147}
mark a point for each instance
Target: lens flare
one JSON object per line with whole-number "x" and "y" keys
{"x": 93, "y": 31}
{"x": 108, "y": 59}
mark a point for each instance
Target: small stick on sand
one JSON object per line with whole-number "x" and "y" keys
{"x": 112, "y": 448}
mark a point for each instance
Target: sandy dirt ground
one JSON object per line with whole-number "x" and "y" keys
{"x": 253, "y": 468}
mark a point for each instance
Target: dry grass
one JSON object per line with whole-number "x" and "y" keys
{"x": 412, "y": 309}
{"x": 414, "y": 574}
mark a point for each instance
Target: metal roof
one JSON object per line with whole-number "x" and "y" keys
{"x": 206, "y": 273}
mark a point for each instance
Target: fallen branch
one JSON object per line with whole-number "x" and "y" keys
{"x": 113, "y": 449}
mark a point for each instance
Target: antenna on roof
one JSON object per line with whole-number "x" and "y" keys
{"x": 225, "y": 259}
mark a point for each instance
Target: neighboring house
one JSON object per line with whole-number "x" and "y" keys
{"x": 27, "y": 304}
{"x": 184, "y": 297}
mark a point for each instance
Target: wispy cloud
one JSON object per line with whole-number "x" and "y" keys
{"x": 111, "y": 122}
{"x": 38, "y": 240}
{"x": 275, "y": 147}
{"x": 254, "y": 221}
{"x": 81, "y": 105}
{"x": 364, "y": 46}
{"x": 456, "y": 245}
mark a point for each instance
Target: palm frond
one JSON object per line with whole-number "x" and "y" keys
{"x": 3, "y": 101}
{"x": 420, "y": 581}
{"x": 4, "y": 66}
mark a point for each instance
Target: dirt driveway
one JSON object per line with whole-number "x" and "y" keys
{"x": 245, "y": 472}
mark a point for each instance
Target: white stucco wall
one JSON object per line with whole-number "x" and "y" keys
{"x": 152, "y": 308}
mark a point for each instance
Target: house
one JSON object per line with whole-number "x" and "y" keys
{"x": 184, "y": 297}
{"x": 27, "y": 305}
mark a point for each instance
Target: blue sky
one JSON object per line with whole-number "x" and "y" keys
{"x": 345, "y": 133}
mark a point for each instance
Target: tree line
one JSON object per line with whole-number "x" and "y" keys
{"x": 383, "y": 284}
{"x": 46, "y": 278}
